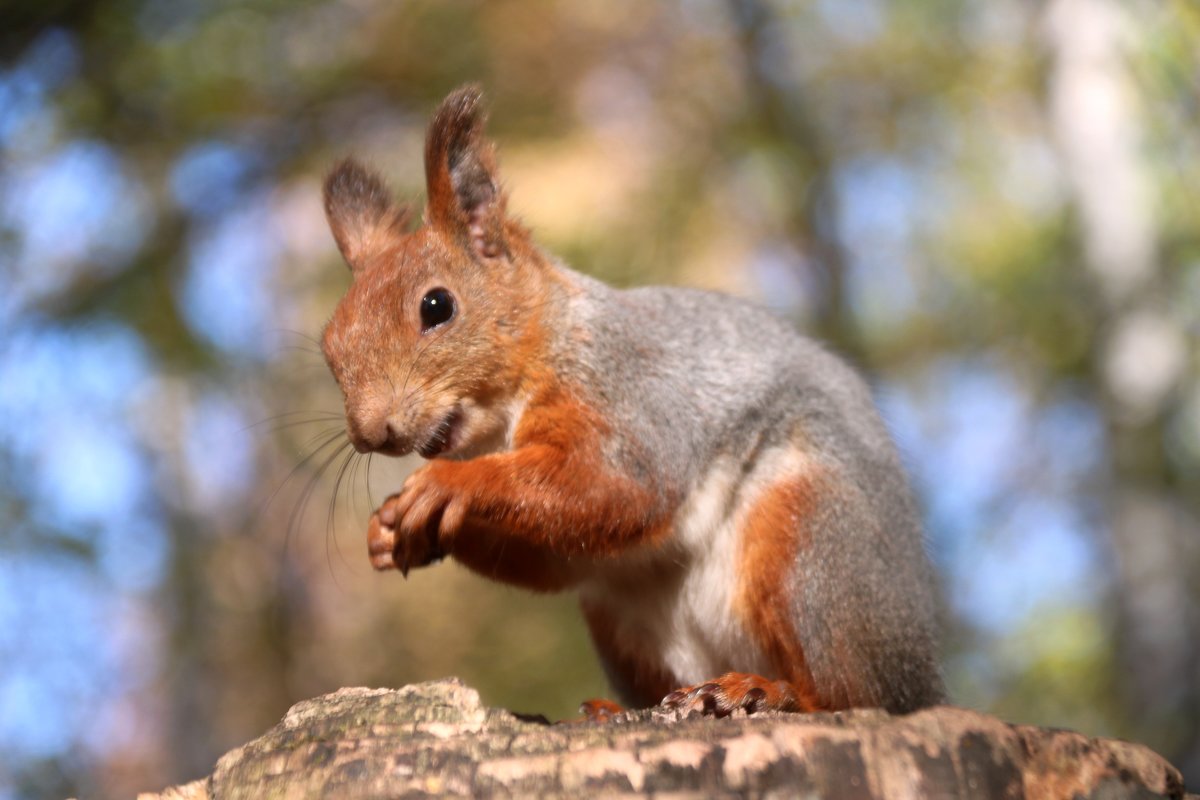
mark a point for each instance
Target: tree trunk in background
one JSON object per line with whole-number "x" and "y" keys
{"x": 1139, "y": 360}
{"x": 779, "y": 106}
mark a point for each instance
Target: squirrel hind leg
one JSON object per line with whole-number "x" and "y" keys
{"x": 722, "y": 696}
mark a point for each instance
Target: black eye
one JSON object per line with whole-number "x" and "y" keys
{"x": 437, "y": 307}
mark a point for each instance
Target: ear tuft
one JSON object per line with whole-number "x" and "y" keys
{"x": 460, "y": 175}
{"x": 361, "y": 211}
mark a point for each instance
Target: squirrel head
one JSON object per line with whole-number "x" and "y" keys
{"x": 431, "y": 343}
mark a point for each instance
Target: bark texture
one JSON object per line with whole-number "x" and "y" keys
{"x": 438, "y": 739}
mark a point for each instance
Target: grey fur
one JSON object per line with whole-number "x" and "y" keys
{"x": 686, "y": 376}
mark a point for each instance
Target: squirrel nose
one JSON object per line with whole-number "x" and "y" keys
{"x": 370, "y": 435}
{"x": 369, "y": 419}
{"x": 366, "y": 438}
{"x": 375, "y": 425}
{"x": 367, "y": 429}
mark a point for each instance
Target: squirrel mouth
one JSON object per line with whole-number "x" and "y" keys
{"x": 444, "y": 435}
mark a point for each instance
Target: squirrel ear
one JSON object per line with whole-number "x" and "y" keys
{"x": 361, "y": 212}
{"x": 460, "y": 175}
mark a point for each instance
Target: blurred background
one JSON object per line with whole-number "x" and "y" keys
{"x": 992, "y": 208}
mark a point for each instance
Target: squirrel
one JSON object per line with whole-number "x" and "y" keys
{"x": 719, "y": 490}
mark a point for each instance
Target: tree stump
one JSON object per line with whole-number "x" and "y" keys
{"x": 437, "y": 738}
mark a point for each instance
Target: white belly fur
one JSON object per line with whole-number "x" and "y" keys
{"x": 674, "y": 605}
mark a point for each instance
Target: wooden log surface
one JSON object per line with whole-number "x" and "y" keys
{"x": 437, "y": 738}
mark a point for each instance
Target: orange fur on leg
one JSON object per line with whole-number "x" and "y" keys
{"x": 773, "y": 532}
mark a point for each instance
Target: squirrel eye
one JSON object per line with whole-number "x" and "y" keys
{"x": 437, "y": 307}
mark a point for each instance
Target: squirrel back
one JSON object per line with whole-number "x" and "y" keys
{"x": 719, "y": 490}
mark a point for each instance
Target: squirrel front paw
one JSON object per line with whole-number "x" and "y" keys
{"x": 413, "y": 528}
{"x": 388, "y": 549}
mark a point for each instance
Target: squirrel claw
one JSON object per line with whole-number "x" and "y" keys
{"x": 598, "y": 710}
{"x": 754, "y": 698}
{"x": 404, "y": 533}
{"x": 381, "y": 544}
{"x": 731, "y": 692}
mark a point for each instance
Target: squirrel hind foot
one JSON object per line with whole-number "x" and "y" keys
{"x": 598, "y": 711}
{"x": 732, "y": 691}
{"x": 719, "y": 697}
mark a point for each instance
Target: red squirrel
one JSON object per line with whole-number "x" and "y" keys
{"x": 719, "y": 490}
